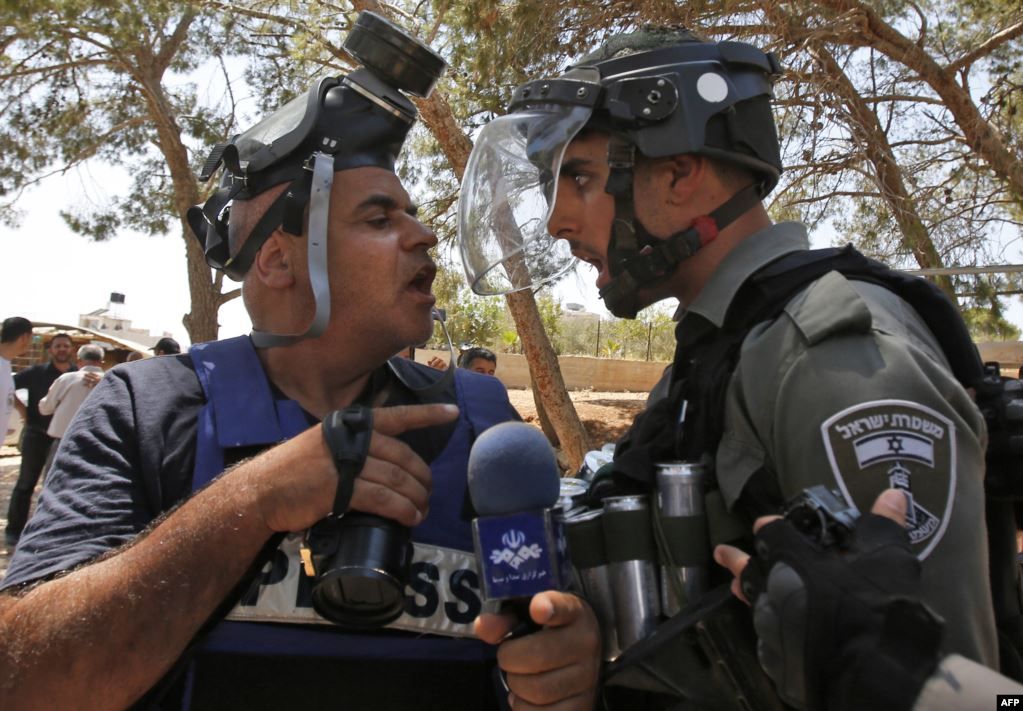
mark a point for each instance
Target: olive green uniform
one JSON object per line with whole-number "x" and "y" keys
{"x": 848, "y": 388}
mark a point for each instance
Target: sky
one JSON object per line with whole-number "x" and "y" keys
{"x": 53, "y": 274}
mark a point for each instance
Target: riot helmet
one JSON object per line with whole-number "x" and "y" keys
{"x": 656, "y": 93}
{"x": 340, "y": 123}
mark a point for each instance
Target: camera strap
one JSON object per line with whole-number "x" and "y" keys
{"x": 347, "y": 433}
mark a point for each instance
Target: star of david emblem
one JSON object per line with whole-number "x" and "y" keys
{"x": 879, "y": 444}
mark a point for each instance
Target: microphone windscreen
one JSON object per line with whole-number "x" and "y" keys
{"x": 511, "y": 469}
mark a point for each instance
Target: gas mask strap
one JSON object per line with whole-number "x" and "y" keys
{"x": 319, "y": 282}
{"x": 296, "y": 197}
{"x": 236, "y": 266}
{"x": 442, "y": 383}
{"x": 624, "y": 245}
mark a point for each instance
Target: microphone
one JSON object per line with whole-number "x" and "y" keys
{"x": 514, "y": 485}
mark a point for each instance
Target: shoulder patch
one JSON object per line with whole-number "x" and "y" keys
{"x": 896, "y": 444}
{"x": 828, "y": 306}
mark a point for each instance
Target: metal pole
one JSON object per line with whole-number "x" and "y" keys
{"x": 596, "y": 351}
{"x": 945, "y": 271}
{"x": 649, "y": 335}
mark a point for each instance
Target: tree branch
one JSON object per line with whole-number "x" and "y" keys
{"x": 985, "y": 48}
{"x": 165, "y": 55}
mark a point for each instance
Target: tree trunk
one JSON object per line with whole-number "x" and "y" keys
{"x": 541, "y": 415}
{"x": 205, "y": 297}
{"x": 547, "y": 378}
{"x": 204, "y": 289}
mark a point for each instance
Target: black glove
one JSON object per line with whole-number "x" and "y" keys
{"x": 845, "y": 630}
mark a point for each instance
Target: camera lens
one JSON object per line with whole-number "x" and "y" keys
{"x": 362, "y": 584}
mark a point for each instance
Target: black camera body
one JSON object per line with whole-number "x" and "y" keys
{"x": 823, "y": 516}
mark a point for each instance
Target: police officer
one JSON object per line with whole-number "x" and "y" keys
{"x": 649, "y": 160}
{"x": 174, "y": 500}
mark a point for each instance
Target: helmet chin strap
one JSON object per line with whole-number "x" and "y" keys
{"x": 319, "y": 211}
{"x": 637, "y": 258}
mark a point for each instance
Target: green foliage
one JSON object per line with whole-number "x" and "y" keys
{"x": 97, "y": 81}
{"x": 651, "y": 336}
{"x": 486, "y": 321}
{"x": 114, "y": 82}
{"x": 510, "y": 340}
{"x": 471, "y": 320}
{"x": 985, "y": 316}
{"x": 579, "y": 334}
{"x": 986, "y": 325}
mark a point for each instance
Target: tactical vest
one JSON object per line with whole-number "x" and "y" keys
{"x": 243, "y": 414}
{"x": 705, "y": 358}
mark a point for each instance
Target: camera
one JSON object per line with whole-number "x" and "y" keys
{"x": 361, "y": 564}
{"x": 823, "y": 516}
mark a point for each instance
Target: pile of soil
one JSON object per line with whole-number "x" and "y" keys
{"x": 605, "y": 416}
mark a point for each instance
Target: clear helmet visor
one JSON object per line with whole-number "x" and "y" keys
{"x": 508, "y": 194}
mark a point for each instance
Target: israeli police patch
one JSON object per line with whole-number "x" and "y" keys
{"x": 896, "y": 444}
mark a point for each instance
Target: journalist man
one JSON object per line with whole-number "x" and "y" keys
{"x": 172, "y": 492}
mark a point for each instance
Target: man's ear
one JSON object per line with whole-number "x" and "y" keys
{"x": 274, "y": 261}
{"x": 686, "y": 173}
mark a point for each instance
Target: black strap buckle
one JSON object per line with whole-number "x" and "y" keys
{"x": 347, "y": 433}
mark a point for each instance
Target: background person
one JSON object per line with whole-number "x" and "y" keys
{"x": 166, "y": 346}
{"x": 477, "y": 359}
{"x": 15, "y": 339}
{"x": 35, "y": 443}
{"x": 67, "y": 394}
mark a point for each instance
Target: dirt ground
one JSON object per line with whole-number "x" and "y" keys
{"x": 604, "y": 415}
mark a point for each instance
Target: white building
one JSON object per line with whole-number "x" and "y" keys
{"x": 111, "y": 321}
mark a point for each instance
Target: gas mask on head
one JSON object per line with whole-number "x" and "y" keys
{"x": 341, "y": 123}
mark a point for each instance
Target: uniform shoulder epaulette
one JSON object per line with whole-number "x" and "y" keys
{"x": 829, "y": 306}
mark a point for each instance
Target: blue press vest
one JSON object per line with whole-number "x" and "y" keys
{"x": 241, "y": 411}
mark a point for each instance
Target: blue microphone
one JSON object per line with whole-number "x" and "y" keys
{"x": 519, "y": 538}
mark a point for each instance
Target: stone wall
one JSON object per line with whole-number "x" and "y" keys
{"x": 606, "y": 375}
{"x": 580, "y": 372}
{"x": 1008, "y": 354}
